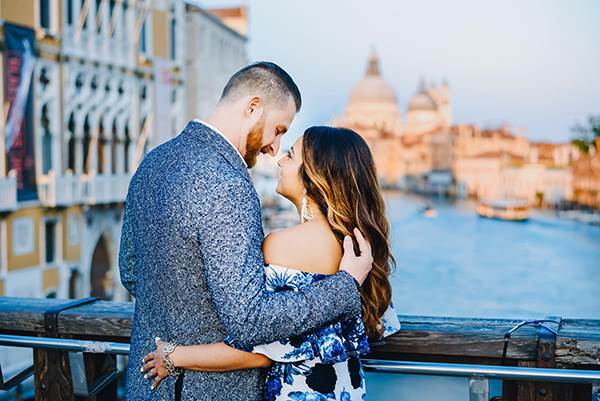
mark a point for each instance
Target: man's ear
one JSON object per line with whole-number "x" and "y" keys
{"x": 254, "y": 103}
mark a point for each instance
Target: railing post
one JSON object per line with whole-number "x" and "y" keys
{"x": 52, "y": 379}
{"x": 546, "y": 358}
{"x": 479, "y": 388}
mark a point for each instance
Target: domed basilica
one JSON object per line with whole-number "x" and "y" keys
{"x": 403, "y": 148}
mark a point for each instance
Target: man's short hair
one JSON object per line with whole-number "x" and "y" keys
{"x": 266, "y": 79}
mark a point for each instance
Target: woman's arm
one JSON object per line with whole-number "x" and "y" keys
{"x": 216, "y": 357}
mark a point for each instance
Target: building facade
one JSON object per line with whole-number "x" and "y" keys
{"x": 586, "y": 178}
{"x": 492, "y": 164}
{"x": 108, "y": 80}
{"x": 216, "y": 49}
{"x": 409, "y": 151}
{"x": 424, "y": 152}
{"x": 86, "y": 122}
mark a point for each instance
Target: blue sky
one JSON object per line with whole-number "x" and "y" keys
{"x": 533, "y": 64}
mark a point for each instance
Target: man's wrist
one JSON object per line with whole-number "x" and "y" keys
{"x": 353, "y": 278}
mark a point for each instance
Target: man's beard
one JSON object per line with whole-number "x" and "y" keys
{"x": 254, "y": 143}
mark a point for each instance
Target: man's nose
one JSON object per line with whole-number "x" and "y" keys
{"x": 274, "y": 148}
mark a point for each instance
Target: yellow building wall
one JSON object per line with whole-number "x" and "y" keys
{"x": 160, "y": 33}
{"x": 27, "y": 260}
{"x": 21, "y": 12}
{"x": 50, "y": 278}
{"x": 1, "y": 288}
{"x": 71, "y": 252}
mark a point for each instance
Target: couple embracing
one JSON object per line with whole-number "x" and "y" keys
{"x": 223, "y": 312}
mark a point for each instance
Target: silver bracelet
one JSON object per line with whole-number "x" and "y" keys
{"x": 167, "y": 362}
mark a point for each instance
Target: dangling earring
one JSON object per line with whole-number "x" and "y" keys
{"x": 305, "y": 212}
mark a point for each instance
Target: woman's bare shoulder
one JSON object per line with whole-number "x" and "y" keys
{"x": 310, "y": 247}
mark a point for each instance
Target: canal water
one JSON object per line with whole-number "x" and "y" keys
{"x": 458, "y": 264}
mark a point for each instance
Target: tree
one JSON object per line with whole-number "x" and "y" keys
{"x": 585, "y": 135}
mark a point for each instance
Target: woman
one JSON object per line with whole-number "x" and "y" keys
{"x": 329, "y": 175}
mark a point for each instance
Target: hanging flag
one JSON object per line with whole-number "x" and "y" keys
{"x": 19, "y": 64}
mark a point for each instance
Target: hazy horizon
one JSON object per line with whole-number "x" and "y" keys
{"x": 534, "y": 65}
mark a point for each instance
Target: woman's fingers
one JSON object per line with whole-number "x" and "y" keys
{"x": 148, "y": 357}
{"x": 148, "y": 366}
{"x": 363, "y": 244}
{"x": 156, "y": 382}
{"x": 150, "y": 374}
{"x": 348, "y": 246}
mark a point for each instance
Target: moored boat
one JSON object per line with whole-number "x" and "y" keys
{"x": 504, "y": 209}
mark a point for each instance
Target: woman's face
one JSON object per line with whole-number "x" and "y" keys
{"x": 290, "y": 183}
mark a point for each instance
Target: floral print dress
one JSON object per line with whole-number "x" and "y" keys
{"x": 320, "y": 366}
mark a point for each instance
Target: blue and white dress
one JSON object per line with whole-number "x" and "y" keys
{"x": 320, "y": 366}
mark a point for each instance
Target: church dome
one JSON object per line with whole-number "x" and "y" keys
{"x": 422, "y": 100}
{"x": 372, "y": 88}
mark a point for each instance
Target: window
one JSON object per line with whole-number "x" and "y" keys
{"x": 142, "y": 38}
{"x": 71, "y": 147}
{"x": 82, "y": 9}
{"x": 47, "y": 152}
{"x": 45, "y": 14}
{"x": 98, "y": 21}
{"x": 127, "y": 146}
{"x": 101, "y": 145}
{"x": 70, "y": 12}
{"x": 50, "y": 228}
{"x": 114, "y": 148}
{"x": 173, "y": 40}
{"x": 74, "y": 283}
{"x": 87, "y": 142}
{"x": 46, "y": 141}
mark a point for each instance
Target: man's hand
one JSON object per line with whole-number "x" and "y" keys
{"x": 358, "y": 266}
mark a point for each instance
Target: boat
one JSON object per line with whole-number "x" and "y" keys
{"x": 581, "y": 216}
{"x": 429, "y": 211}
{"x": 504, "y": 209}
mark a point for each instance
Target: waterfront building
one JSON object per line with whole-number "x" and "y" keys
{"x": 92, "y": 74}
{"x": 109, "y": 81}
{"x": 216, "y": 50}
{"x": 511, "y": 167}
{"x": 586, "y": 178}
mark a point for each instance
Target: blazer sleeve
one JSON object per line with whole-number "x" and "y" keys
{"x": 127, "y": 258}
{"x": 230, "y": 237}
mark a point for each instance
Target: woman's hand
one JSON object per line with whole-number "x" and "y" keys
{"x": 154, "y": 364}
{"x": 358, "y": 266}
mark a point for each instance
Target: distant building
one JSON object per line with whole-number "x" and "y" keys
{"x": 216, "y": 49}
{"x": 410, "y": 153}
{"x": 425, "y": 153}
{"x": 586, "y": 178}
{"x": 491, "y": 164}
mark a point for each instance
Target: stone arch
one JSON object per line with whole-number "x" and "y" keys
{"x": 100, "y": 279}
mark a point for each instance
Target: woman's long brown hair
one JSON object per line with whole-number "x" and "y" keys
{"x": 339, "y": 174}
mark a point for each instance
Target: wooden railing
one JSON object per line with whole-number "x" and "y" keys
{"x": 422, "y": 338}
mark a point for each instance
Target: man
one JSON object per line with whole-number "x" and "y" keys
{"x": 191, "y": 244}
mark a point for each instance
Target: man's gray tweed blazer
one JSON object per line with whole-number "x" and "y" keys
{"x": 191, "y": 256}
